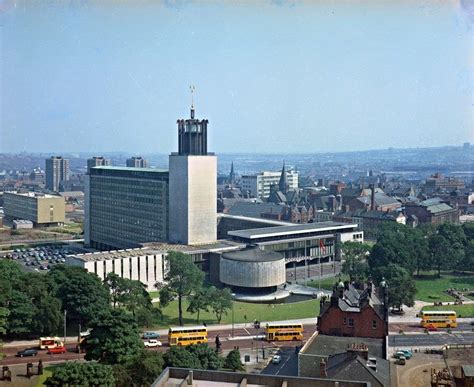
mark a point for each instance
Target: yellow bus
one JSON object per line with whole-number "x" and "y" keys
{"x": 187, "y": 335}
{"x": 438, "y": 318}
{"x": 284, "y": 331}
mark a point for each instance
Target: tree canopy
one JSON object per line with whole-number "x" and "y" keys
{"x": 183, "y": 279}
{"x": 82, "y": 374}
{"x": 114, "y": 338}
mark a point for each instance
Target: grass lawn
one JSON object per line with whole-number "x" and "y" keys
{"x": 430, "y": 288}
{"x": 47, "y": 372}
{"x": 154, "y": 294}
{"x": 261, "y": 312}
{"x": 466, "y": 310}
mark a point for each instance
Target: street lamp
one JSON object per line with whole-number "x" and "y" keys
{"x": 65, "y": 314}
{"x": 233, "y": 295}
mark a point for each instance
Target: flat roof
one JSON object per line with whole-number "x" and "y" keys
{"x": 115, "y": 168}
{"x": 324, "y": 345}
{"x": 36, "y": 195}
{"x": 256, "y": 233}
{"x": 256, "y": 220}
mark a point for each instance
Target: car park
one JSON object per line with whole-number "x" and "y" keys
{"x": 27, "y": 352}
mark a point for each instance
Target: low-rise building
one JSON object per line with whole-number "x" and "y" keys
{"x": 41, "y": 209}
{"x": 346, "y": 358}
{"x": 434, "y": 211}
{"x": 358, "y": 311}
{"x": 172, "y": 377}
{"x": 143, "y": 264}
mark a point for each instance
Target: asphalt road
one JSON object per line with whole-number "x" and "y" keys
{"x": 425, "y": 340}
{"x": 288, "y": 365}
{"x": 415, "y": 327}
{"x": 243, "y": 338}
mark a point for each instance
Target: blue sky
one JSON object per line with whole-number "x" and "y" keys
{"x": 273, "y": 77}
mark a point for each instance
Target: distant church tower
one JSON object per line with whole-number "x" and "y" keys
{"x": 192, "y": 185}
{"x": 232, "y": 176}
{"x": 283, "y": 183}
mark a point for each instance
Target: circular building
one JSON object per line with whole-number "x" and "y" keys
{"x": 252, "y": 268}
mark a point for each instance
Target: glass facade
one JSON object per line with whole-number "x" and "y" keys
{"x": 128, "y": 206}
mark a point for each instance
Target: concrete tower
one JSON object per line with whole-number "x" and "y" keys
{"x": 192, "y": 186}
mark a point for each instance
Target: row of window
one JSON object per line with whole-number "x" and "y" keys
{"x": 350, "y": 322}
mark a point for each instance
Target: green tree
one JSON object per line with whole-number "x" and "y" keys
{"x": 114, "y": 338}
{"x": 395, "y": 244}
{"x": 355, "y": 260}
{"x": 82, "y": 294}
{"x": 221, "y": 302}
{"x": 401, "y": 286}
{"x": 456, "y": 240}
{"x": 135, "y": 296}
{"x": 82, "y": 374}
{"x": 200, "y": 301}
{"x": 207, "y": 357}
{"x": 181, "y": 357}
{"x": 116, "y": 285}
{"x": 145, "y": 368}
{"x": 146, "y": 317}
{"x": 441, "y": 253}
{"x": 233, "y": 361}
{"x": 194, "y": 356}
{"x": 183, "y": 279}
{"x": 21, "y": 313}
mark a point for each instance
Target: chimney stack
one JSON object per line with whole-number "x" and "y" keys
{"x": 372, "y": 197}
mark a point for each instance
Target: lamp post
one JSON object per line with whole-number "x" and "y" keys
{"x": 64, "y": 324}
{"x": 233, "y": 295}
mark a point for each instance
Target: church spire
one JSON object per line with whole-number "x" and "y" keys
{"x": 283, "y": 183}
{"x": 232, "y": 175}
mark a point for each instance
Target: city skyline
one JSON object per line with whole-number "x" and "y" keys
{"x": 102, "y": 78}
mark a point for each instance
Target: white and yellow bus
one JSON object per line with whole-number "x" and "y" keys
{"x": 187, "y": 335}
{"x": 284, "y": 331}
{"x": 438, "y": 318}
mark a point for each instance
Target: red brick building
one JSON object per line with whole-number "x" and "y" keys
{"x": 355, "y": 312}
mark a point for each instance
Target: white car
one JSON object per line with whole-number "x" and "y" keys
{"x": 152, "y": 343}
{"x": 276, "y": 359}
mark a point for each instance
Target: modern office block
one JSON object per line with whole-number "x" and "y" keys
{"x": 125, "y": 207}
{"x": 260, "y": 184}
{"x": 137, "y": 162}
{"x": 41, "y": 209}
{"x": 97, "y": 161}
{"x": 57, "y": 170}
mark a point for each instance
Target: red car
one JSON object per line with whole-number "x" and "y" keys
{"x": 59, "y": 350}
{"x": 431, "y": 328}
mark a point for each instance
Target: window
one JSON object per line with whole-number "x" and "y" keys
{"x": 350, "y": 322}
{"x": 374, "y": 324}
{"x": 344, "y": 321}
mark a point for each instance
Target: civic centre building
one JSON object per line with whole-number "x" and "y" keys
{"x": 137, "y": 215}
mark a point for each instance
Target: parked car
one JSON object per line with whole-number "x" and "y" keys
{"x": 27, "y": 352}
{"x": 152, "y": 343}
{"x": 403, "y": 353}
{"x": 52, "y": 351}
{"x": 276, "y": 359}
{"x": 401, "y": 360}
{"x": 151, "y": 335}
